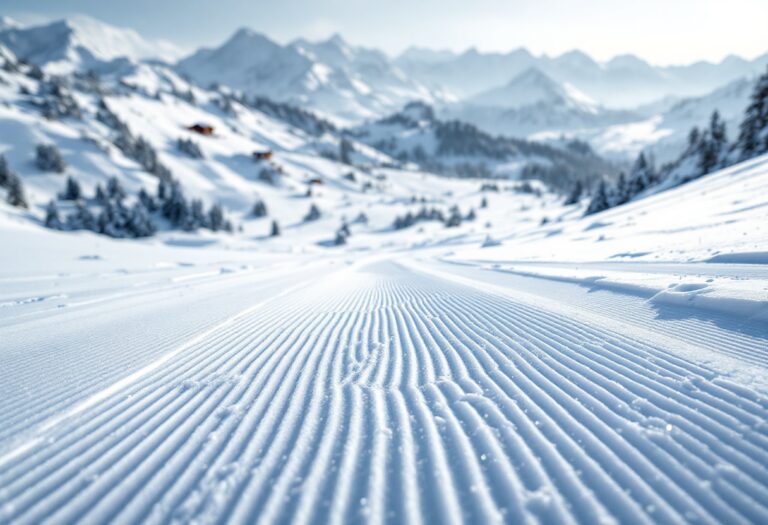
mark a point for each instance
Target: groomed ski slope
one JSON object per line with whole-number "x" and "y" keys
{"x": 389, "y": 392}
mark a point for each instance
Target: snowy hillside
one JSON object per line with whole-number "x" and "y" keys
{"x": 456, "y": 148}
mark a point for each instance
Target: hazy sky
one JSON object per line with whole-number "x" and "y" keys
{"x": 661, "y": 31}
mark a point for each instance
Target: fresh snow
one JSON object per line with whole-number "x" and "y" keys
{"x": 435, "y": 380}
{"x": 528, "y": 365}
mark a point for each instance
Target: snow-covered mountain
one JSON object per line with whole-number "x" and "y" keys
{"x": 81, "y": 43}
{"x": 534, "y": 103}
{"x": 333, "y": 77}
{"x": 623, "y": 82}
{"x": 531, "y": 87}
{"x": 6, "y": 22}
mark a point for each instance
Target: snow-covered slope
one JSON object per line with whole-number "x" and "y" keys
{"x": 154, "y": 383}
{"x": 81, "y": 43}
{"x": 720, "y": 216}
{"x": 415, "y": 134}
{"x": 663, "y": 128}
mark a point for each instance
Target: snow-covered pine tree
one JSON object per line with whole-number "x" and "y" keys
{"x": 621, "y": 193}
{"x": 345, "y": 150}
{"x": 268, "y": 175}
{"x": 140, "y": 221}
{"x": 259, "y": 208}
{"x": 313, "y": 214}
{"x": 16, "y": 195}
{"x": 72, "y": 190}
{"x": 643, "y": 175}
{"x": 197, "y": 216}
{"x": 147, "y": 200}
{"x": 115, "y": 190}
{"x": 100, "y": 195}
{"x": 484, "y": 202}
{"x": 175, "y": 207}
{"x": 712, "y": 145}
{"x": 753, "y": 132}
{"x": 81, "y": 219}
{"x": 52, "y": 219}
{"x": 216, "y": 218}
{"x": 5, "y": 172}
{"x": 274, "y": 230}
{"x": 454, "y": 219}
{"x": 340, "y": 238}
{"x": 600, "y": 200}
{"x": 190, "y": 148}
{"x": 573, "y": 197}
{"x": 48, "y": 158}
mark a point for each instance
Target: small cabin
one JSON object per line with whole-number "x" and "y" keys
{"x": 262, "y": 155}
{"x": 202, "y": 129}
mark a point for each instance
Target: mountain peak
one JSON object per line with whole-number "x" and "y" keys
{"x": 81, "y": 42}
{"x": 535, "y": 77}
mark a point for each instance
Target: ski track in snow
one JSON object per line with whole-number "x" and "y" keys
{"x": 383, "y": 394}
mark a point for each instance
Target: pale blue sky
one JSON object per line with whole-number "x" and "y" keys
{"x": 662, "y": 32}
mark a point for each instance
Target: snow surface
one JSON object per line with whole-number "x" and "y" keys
{"x": 529, "y": 366}
{"x": 410, "y": 377}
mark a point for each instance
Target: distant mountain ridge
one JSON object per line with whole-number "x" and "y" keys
{"x": 80, "y": 43}
{"x": 622, "y": 82}
{"x": 619, "y": 106}
{"x": 348, "y": 82}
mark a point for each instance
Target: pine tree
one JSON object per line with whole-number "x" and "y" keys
{"x": 190, "y": 147}
{"x": 471, "y": 216}
{"x": 72, "y": 191}
{"x": 575, "y": 195}
{"x": 600, "y": 200}
{"x": 216, "y": 218}
{"x": 454, "y": 219}
{"x": 5, "y": 172}
{"x": 340, "y": 238}
{"x": 16, "y": 195}
{"x": 147, "y": 200}
{"x": 48, "y": 158}
{"x": 259, "y": 209}
{"x": 345, "y": 150}
{"x": 81, "y": 219}
{"x": 620, "y": 195}
{"x": 753, "y": 132}
{"x": 711, "y": 146}
{"x": 274, "y": 230}
{"x": 140, "y": 222}
{"x": 175, "y": 208}
{"x": 484, "y": 202}
{"x": 52, "y": 219}
{"x": 100, "y": 195}
{"x": 643, "y": 175}
{"x": 115, "y": 189}
{"x": 198, "y": 217}
{"x": 313, "y": 214}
